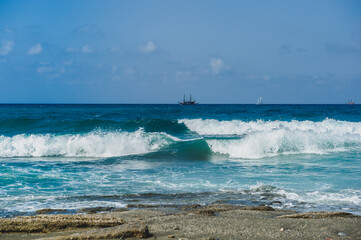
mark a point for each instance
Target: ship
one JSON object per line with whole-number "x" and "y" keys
{"x": 259, "y": 101}
{"x": 188, "y": 102}
{"x": 350, "y": 102}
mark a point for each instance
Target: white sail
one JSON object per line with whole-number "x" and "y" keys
{"x": 259, "y": 101}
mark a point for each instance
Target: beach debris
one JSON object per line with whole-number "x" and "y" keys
{"x": 52, "y": 223}
{"x": 319, "y": 215}
{"x": 171, "y": 236}
{"x": 282, "y": 229}
{"x": 342, "y": 234}
{"x": 176, "y": 228}
{"x": 129, "y": 230}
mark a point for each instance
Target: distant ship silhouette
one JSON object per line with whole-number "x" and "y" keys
{"x": 189, "y": 102}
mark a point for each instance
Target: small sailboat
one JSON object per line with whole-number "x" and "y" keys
{"x": 188, "y": 102}
{"x": 350, "y": 102}
{"x": 259, "y": 101}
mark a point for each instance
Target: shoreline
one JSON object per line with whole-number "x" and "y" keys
{"x": 187, "y": 222}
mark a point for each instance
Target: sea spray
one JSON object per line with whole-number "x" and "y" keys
{"x": 259, "y": 139}
{"x": 92, "y": 144}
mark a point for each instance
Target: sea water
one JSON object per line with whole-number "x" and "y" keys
{"x": 299, "y": 157}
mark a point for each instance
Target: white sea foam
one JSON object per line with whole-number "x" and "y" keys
{"x": 258, "y": 139}
{"x": 93, "y": 144}
{"x": 311, "y": 198}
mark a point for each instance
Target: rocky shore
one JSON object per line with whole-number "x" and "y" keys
{"x": 182, "y": 222}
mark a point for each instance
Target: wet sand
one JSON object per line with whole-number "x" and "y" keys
{"x": 190, "y": 222}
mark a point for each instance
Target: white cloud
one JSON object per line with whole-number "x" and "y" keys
{"x": 181, "y": 76}
{"x": 6, "y": 47}
{"x": 84, "y": 49}
{"x": 87, "y": 49}
{"x": 71, "y": 49}
{"x": 251, "y": 76}
{"x": 129, "y": 72}
{"x": 217, "y": 65}
{"x": 44, "y": 69}
{"x": 68, "y": 63}
{"x": 116, "y": 48}
{"x": 36, "y": 49}
{"x": 148, "y": 47}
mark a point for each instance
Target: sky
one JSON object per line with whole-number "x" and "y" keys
{"x": 133, "y": 51}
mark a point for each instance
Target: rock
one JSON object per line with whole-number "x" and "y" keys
{"x": 205, "y": 212}
{"x": 152, "y": 206}
{"x": 319, "y": 215}
{"x": 188, "y": 207}
{"x": 259, "y": 208}
{"x": 49, "y": 211}
{"x": 52, "y": 223}
{"x": 95, "y": 210}
{"x": 131, "y": 230}
{"x": 120, "y": 210}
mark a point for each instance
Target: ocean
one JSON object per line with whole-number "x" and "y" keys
{"x": 298, "y": 157}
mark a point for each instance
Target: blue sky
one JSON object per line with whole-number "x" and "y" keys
{"x": 86, "y": 51}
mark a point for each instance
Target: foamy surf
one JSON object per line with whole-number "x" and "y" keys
{"x": 259, "y": 139}
{"x": 92, "y": 144}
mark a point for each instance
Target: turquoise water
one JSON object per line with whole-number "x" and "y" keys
{"x": 301, "y": 157}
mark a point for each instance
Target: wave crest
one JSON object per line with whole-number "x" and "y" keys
{"x": 93, "y": 144}
{"x": 259, "y": 139}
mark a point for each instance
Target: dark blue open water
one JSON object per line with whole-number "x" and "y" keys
{"x": 308, "y": 157}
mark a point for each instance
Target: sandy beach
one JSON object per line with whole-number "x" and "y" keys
{"x": 189, "y": 222}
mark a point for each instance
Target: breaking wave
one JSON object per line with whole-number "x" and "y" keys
{"x": 92, "y": 144}
{"x": 259, "y": 139}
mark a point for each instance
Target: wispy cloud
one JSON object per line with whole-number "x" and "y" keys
{"x": 285, "y": 49}
{"x": 342, "y": 48}
{"x": 148, "y": 47}
{"x": 36, "y": 49}
{"x": 68, "y": 63}
{"x": 182, "y": 75}
{"x": 44, "y": 69}
{"x": 84, "y": 49}
{"x": 301, "y": 50}
{"x": 87, "y": 49}
{"x": 217, "y": 65}
{"x": 129, "y": 72}
{"x": 6, "y": 47}
{"x": 89, "y": 30}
